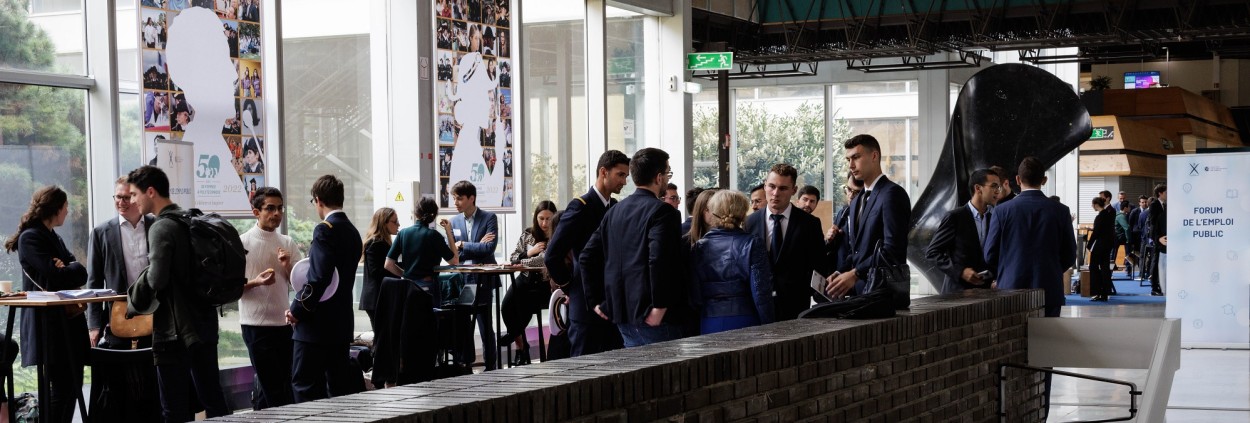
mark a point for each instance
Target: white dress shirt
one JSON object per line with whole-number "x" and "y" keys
{"x": 134, "y": 248}
{"x": 785, "y": 222}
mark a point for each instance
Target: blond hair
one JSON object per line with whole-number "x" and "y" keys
{"x": 730, "y": 209}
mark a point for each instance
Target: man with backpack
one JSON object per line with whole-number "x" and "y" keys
{"x": 184, "y": 326}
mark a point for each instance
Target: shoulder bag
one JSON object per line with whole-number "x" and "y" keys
{"x": 886, "y": 274}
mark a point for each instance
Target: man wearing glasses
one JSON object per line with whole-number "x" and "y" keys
{"x": 262, "y": 309}
{"x": 118, "y": 253}
{"x": 956, "y": 248}
{"x": 672, "y": 196}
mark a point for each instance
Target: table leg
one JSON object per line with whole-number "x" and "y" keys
{"x": 499, "y": 360}
{"x": 41, "y": 325}
{"x": 4, "y": 352}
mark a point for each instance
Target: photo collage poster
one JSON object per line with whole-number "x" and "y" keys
{"x": 473, "y": 89}
{"x": 200, "y": 64}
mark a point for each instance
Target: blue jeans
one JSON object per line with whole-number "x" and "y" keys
{"x": 639, "y": 334}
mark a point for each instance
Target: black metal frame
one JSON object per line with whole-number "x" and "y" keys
{"x": 1002, "y": 389}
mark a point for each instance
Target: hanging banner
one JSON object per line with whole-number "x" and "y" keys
{"x": 201, "y": 73}
{"x": 473, "y": 91}
{"x": 1209, "y": 248}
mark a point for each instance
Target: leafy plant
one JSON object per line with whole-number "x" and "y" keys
{"x": 1099, "y": 83}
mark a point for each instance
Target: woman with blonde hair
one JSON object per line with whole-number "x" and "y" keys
{"x": 47, "y": 265}
{"x": 384, "y": 224}
{"x": 732, "y": 275}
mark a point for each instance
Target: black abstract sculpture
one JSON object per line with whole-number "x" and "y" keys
{"x": 1002, "y": 115}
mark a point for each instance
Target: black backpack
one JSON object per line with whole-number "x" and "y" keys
{"x": 219, "y": 259}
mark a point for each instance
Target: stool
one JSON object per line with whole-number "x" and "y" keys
{"x": 542, "y": 343}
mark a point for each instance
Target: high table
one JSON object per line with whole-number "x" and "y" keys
{"x": 492, "y": 269}
{"x": 16, "y": 303}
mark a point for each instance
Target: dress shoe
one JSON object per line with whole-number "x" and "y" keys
{"x": 1156, "y": 293}
{"x": 521, "y": 358}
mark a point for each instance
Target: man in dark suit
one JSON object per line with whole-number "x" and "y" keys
{"x": 1006, "y": 193}
{"x": 1159, "y": 235}
{"x": 1031, "y": 242}
{"x": 1101, "y": 242}
{"x": 956, "y": 246}
{"x": 636, "y": 252}
{"x": 691, "y": 195}
{"x": 118, "y": 253}
{"x": 323, "y": 329}
{"x": 588, "y": 333}
{"x": 795, "y": 245}
{"x": 475, "y": 230}
{"x": 879, "y": 215}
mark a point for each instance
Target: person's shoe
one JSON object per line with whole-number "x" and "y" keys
{"x": 521, "y": 358}
{"x": 1156, "y": 293}
{"x": 505, "y": 339}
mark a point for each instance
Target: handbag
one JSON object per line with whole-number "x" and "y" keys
{"x": 122, "y": 327}
{"x": 886, "y": 274}
{"x": 871, "y": 305}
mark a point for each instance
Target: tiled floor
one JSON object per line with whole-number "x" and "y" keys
{"x": 1211, "y": 386}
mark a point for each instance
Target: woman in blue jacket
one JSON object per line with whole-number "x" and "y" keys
{"x": 730, "y": 268}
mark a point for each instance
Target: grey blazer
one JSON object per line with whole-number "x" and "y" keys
{"x": 106, "y": 265}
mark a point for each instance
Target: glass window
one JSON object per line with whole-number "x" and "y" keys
{"x": 780, "y": 125}
{"x": 555, "y": 129}
{"x": 626, "y": 80}
{"x": 705, "y": 127}
{"x": 130, "y": 128}
{"x": 875, "y": 87}
{"x": 51, "y": 38}
{"x": 127, "y": 35}
{"x": 328, "y": 118}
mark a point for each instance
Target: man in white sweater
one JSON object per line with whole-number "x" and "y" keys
{"x": 262, "y": 310}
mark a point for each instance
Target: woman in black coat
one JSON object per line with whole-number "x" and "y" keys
{"x": 385, "y": 224}
{"x": 48, "y": 266}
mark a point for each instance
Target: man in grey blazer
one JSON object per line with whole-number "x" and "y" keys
{"x": 118, "y": 252}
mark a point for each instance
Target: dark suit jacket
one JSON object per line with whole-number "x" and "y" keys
{"x": 802, "y": 251}
{"x": 336, "y": 247}
{"x": 887, "y": 217}
{"x": 1030, "y": 244}
{"x": 636, "y": 253}
{"x": 107, "y": 268}
{"x": 375, "y": 270}
{"x": 836, "y": 248}
{"x": 36, "y": 249}
{"x": 474, "y": 251}
{"x": 956, "y": 246}
{"x": 1159, "y": 225}
{"x": 578, "y": 221}
{"x": 1102, "y": 237}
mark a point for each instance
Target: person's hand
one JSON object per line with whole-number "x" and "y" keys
{"x": 600, "y": 313}
{"x": 284, "y": 257}
{"x": 59, "y": 264}
{"x": 445, "y": 224}
{"x": 834, "y": 231}
{"x": 1163, "y": 240}
{"x": 94, "y": 336}
{"x": 488, "y": 238}
{"x": 655, "y": 317}
{"x": 971, "y": 277}
{"x": 265, "y": 278}
{"x": 537, "y": 248}
{"x": 838, "y": 284}
{"x": 290, "y": 318}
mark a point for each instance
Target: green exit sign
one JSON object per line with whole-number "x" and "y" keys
{"x": 710, "y": 61}
{"x": 1102, "y": 133}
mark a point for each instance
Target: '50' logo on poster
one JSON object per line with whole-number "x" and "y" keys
{"x": 207, "y": 166}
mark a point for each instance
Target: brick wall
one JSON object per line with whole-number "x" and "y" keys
{"x": 936, "y": 362}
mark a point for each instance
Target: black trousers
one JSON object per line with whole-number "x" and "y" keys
{"x": 485, "y": 326}
{"x": 592, "y": 335}
{"x": 183, "y": 371}
{"x": 66, "y": 383}
{"x": 321, "y": 370}
{"x": 270, "y": 348}
{"x": 522, "y": 301}
{"x": 1099, "y": 274}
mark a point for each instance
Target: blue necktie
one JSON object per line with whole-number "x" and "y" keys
{"x": 776, "y": 242}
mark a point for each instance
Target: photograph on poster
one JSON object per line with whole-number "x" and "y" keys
{"x": 231, "y": 29}
{"x": 232, "y": 126}
{"x": 151, "y": 147}
{"x": 249, "y": 10}
{"x": 182, "y": 113}
{"x": 252, "y": 117}
{"x": 156, "y": 111}
{"x": 153, "y": 3}
{"x": 249, "y": 41}
{"x": 225, "y": 9}
{"x": 473, "y": 98}
{"x": 154, "y": 24}
{"x": 252, "y": 181}
{"x": 235, "y": 144}
{"x": 253, "y": 153}
{"x": 155, "y": 74}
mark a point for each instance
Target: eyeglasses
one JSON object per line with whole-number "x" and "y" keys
{"x": 669, "y": 174}
{"x": 122, "y": 198}
{"x": 850, "y": 190}
{"x": 274, "y": 208}
{"x": 994, "y": 186}
{"x": 673, "y": 198}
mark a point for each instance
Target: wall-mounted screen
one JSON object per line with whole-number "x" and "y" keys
{"x": 1148, "y": 79}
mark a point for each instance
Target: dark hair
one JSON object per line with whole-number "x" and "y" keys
{"x": 785, "y": 170}
{"x": 464, "y": 189}
{"x": 672, "y": 186}
{"x": 251, "y": 146}
{"x": 757, "y": 188}
{"x": 1105, "y": 193}
{"x": 535, "y": 229}
{"x": 647, "y": 164}
{"x": 1125, "y": 207}
{"x": 1002, "y": 174}
{"x": 809, "y": 190}
{"x": 610, "y": 159}
{"x": 258, "y": 198}
{"x": 427, "y": 210}
{"x": 865, "y": 140}
{"x": 691, "y": 195}
{"x": 150, "y": 177}
{"x": 1161, "y": 188}
{"x": 1032, "y": 171}
{"x": 329, "y": 190}
{"x": 979, "y": 177}
{"x": 1056, "y": 198}
{"x": 1143, "y": 197}
{"x": 255, "y": 118}
{"x": 1099, "y": 201}
{"x": 44, "y": 204}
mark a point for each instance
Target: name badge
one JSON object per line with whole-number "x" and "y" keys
{"x": 456, "y": 233}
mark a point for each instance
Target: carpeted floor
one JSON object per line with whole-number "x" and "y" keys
{"x": 1129, "y": 291}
